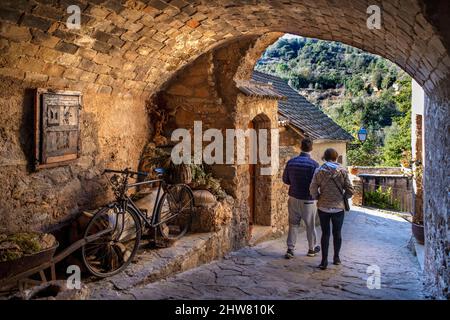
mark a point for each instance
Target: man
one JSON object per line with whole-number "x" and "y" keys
{"x": 298, "y": 174}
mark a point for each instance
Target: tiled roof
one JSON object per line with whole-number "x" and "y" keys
{"x": 301, "y": 113}
{"x": 258, "y": 89}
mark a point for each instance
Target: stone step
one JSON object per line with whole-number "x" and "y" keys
{"x": 418, "y": 250}
{"x": 260, "y": 234}
{"x": 151, "y": 265}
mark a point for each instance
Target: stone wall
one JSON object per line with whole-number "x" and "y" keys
{"x": 205, "y": 91}
{"x": 436, "y": 180}
{"x": 141, "y": 43}
{"x": 320, "y": 147}
{"x": 289, "y": 148}
{"x": 376, "y": 170}
{"x": 262, "y": 113}
{"x": 113, "y": 131}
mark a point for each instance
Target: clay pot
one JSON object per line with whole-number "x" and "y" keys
{"x": 354, "y": 170}
{"x": 181, "y": 173}
{"x": 203, "y": 198}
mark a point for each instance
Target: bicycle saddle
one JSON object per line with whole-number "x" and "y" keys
{"x": 160, "y": 170}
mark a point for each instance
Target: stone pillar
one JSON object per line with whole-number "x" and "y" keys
{"x": 436, "y": 193}
{"x": 417, "y": 105}
{"x": 417, "y": 167}
{"x": 357, "y": 199}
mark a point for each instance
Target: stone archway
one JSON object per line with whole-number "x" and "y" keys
{"x": 126, "y": 50}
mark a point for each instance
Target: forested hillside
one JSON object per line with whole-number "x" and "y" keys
{"x": 354, "y": 88}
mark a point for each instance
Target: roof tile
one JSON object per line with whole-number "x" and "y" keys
{"x": 301, "y": 113}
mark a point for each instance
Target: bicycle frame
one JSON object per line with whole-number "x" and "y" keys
{"x": 128, "y": 201}
{"x": 123, "y": 201}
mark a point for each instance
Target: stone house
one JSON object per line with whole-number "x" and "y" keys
{"x": 299, "y": 118}
{"x": 206, "y": 91}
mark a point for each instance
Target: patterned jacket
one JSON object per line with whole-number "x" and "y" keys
{"x": 325, "y": 190}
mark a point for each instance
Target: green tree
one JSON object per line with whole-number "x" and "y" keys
{"x": 282, "y": 68}
{"x": 365, "y": 154}
{"x": 355, "y": 85}
{"x": 377, "y": 79}
{"x": 398, "y": 136}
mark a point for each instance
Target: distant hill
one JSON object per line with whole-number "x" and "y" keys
{"x": 353, "y": 87}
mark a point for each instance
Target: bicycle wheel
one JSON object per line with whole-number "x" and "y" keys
{"x": 175, "y": 211}
{"x": 113, "y": 237}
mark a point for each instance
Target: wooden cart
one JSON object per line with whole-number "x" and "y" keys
{"x": 18, "y": 271}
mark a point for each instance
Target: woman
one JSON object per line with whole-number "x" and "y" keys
{"x": 327, "y": 186}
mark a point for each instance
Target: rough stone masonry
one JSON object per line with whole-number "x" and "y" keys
{"x": 127, "y": 50}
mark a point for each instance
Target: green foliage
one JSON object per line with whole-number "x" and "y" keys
{"x": 15, "y": 246}
{"x": 389, "y": 79}
{"x": 397, "y": 141}
{"x": 311, "y": 63}
{"x": 378, "y": 111}
{"x": 282, "y": 67}
{"x": 154, "y": 157}
{"x": 381, "y": 199}
{"x": 354, "y": 85}
{"x": 366, "y": 154}
{"x": 377, "y": 79}
{"x": 324, "y": 81}
{"x": 201, "y": 179}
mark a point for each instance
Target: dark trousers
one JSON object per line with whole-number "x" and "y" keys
{"x": 336, "y": 219}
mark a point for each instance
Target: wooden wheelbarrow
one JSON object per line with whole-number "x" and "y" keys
{"x": 18, "y": 271}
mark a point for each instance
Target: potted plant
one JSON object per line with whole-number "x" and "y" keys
{"x": 23, "y": 251}
{"x": 204, "y": 180}
{"x": 417, "y": 221}
{"x": 353, "y": 170}
{"x": 180, "y": 173}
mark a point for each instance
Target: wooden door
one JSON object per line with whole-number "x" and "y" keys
{"x": 57, "y": 129}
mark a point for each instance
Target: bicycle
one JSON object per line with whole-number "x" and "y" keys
{"x": 119, "y": 225}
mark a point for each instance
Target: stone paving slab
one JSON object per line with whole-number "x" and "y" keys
{"x": 153, "y": 264}
{"x": 261, "y": 272}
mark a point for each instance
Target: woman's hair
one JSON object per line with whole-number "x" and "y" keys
{"x": 330, "y": 155}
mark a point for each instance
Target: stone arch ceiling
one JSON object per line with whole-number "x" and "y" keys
{"x": 136, "y": 46}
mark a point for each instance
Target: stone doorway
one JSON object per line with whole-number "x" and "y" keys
{"x": 260, "y": 186}
{"x": 251, "y": 191}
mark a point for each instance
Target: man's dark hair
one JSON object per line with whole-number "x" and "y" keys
{"x": 307, "y": 145}
{"x": 330, "y": 155}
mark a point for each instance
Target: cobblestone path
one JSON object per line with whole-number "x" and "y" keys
{"x": 370, "y": 238}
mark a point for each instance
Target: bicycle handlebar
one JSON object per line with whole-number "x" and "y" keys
{"x": 126, "y": 171}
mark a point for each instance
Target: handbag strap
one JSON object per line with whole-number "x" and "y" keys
{"x": 341, "y": 190}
